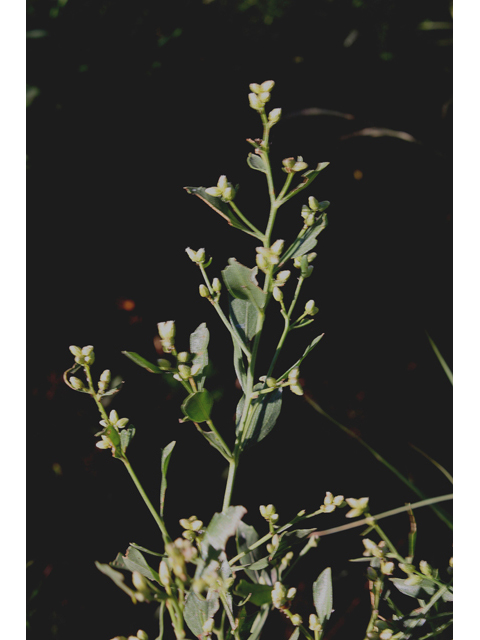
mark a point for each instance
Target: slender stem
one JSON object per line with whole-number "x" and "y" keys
{"x": 380, "y": 458}
{"x": 232, "y": 471}
{"x": 245, "y": 220}
{"x": 161, "y": 625}
{"x": 215, "y": 431}
{"x": 158, "y": 519}
{"x": 100, "y": 406}
{"x": 223, "y": 318}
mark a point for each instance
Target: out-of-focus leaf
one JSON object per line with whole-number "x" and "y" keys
{"x": 165, "y": 460}
{"x": 149, "y": 366}
{"x": 310, "y": 347}
{"x": 222, "y": 526}
{"x": 323, "y": 595}
{"x": 198, "y": 347}
{"x": 214, "y": 440}
{"x": 198, "y": 610}
{"x": 134, "y": 561}
{"x": 117, "y": 577}
{"x": 126, "y": 436}
{"x": 419, "y": 590}
{"x": 246, "y": 537}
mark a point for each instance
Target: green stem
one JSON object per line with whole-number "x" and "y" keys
{"x": 377, "y": 588}
{"x": 158, "y": 519}
{"x": 94, "y": 395}
{"x": 215, "y": 431}
{"x": 380, "y": 458}
{"x": 246, "y": 221}
{"x": 232, "y": 471}
{"x": 223, "y": 318}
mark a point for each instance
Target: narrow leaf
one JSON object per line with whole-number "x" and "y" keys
{"x": 307, "y": 242}
{"x": 117, "y": 577}
{"x": 259, "y": 622}
{"x": 166, "y": 455}
{"x": 239, "y": 365}
{"x": 310, "y": 347}
{"x": 126, "y": 436}
{"x": 134, "y": 561}
{"x": 218, "y": 206}
{"x": 198, "y": 406}
{"x": 295, "y": 635}
{"x": 323, "y": 595}
{"x": 266, "y": 409}
{"x": 215, "y": 442}
{"x": 149, "y": 366}
{"x": 255, "y": 162}
{"x": 198, "y": 346}
{"x": 246, "y": 537}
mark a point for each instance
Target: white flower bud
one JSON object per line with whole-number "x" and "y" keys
{"x": 216, "y": 285}
{"x": 296, "y": 620}
{"x": 142, "y": 635}
{"x": 184, "y": 371}
{"x": 208, "y": 626}
{"x": 214, "y": 191}
{"x": 274, "y": 116}
{"x": 76, "y": 383}
{"x": 277, "y": 247}
{"x": 291, "y": 593}
{"x": 267, "y": 85}
{"x": 300, "y": 166}
{"x": 229, "y": 193}
{"x": 310, "y": 308}
{"x": 255, "y": 101}
{"x": 297, "y": 389}
{"x": 113, "y": 416}
{"x": 277, "y": 294}
{"x": 313, "y": 203}
{"x": 222, "y": 183}
{"x": 74, "y": 350}
{"x": 166, "y": 330}
{"x": 256, "y": 88}
{"x": 164, "y": 574}
{"x": 279, "y": 594}
{"x": 264, "y": 96}
{"x": 139, "y": 582}
{"x": 122, "y": 423}
{"x": 283, "y": 276}
{"x": 183, "y": 356}
{"x": 203, "y": 291}
{"x": 314, "y": 623}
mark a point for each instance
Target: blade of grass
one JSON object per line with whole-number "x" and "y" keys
{"x": 437, "y": 464}
{"x": 440, "y": 513}
{"x": 445, "y": 366}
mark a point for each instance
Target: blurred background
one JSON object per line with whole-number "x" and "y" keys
{"x": 127, "y": 103}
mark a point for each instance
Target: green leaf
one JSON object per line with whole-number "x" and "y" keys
{"x": 259, "y": 622}
{"x": 134, "y": 561}
{"x": 242, "y": 283}
{"x": 149, "y": 366}
{"x": 323, "y": 595}
{"x": 239, "y": 365}
{"x": 414, "y": 590}
{"x": 152, "y": 553}
{"x": 126, "y": 436}
{"x": 255, "y": 162}
{"x": 218, "y": 206}
{"x": 295, "y": 635}
{"x": 117, "y": 577}
{"x": 221, "y": 527}
{"x": 246, "y": 537}
{"x": 260, "y": 593}
{"x": 310, "y": 347}
{"x": 243, "y": 318}
{"x": 198, "y": 406}
{"x": 214, "y": 440}
{"x": 291, "y": 538}
{"x": 260, "y": 564}
{"x": 266, "y": 409}
{"x": 306, "y": 243}
{"x": 166, "y": 454}
{"x": 198, "y": 347}
{"x": 198, "y": 610}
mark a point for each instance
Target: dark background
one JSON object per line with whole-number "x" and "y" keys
{"x": 128, "y": 102}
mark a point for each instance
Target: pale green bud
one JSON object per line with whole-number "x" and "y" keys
{"x": 271, "y": 382}
{"x": 122, "y": 423}
{"x": 425, "y": 568}
{"x": 297, "y": 263}
{"x": 267, "y": 85}
{"x": 74, "y": 350}
{"x": 139, "y": 582}
{"x": 196, "y": 256}
{"x": 387, "y": 568}
{"x": 208, "y": 626}
{"x": 163, "y": 364}
{"x": 183, "y": 356}
{"x": 372, "y": 574}
{"x": 214, "y": 191}
{"x": 113, "y": 416}
{"x": 291, "y": 593}
{"x": 297, "y": 389}
{"x": 306, "y": 273}
{"x": 314, "y": 623}
{"x": 387, "y": 634}
{"x": 76, "y": 383}
{"x": 264, "y": 96}
{"x": 294, "y": 374}
{"x": 164, "y": 574}
{"x": 216, "y": 285}
{"x": 358, "y": 506}
{"x": 296, "y": 620}
{"x": 274, "y": 116}
{"x": 184, "y": 371}
{"x": 255, "y": 101}
{"x": 195, "y": 369}
{"x": 262, "y": 262}
{"x": 300, "y": 166}
{"x": 288, "y": 163}
{"x": 277, "y": 247}
{"x": 87, "y": 351}
{"x": 279, "y": 595}
{"x": 106, "y": 377}
{"x": 166, "y": 330}
{"x": 256, "y": 88}
{"x": 310, "y": 219}
{"x": 311, "y": 257}
{"x": 222, "y": 183}
{"x": 203, "y": 291}
{"x": 282, "y": 277}
{"x": 313, "y": 203}
{"x": 229, "y": 194}
{"x": 310, "y": 308}
{"x": 277, "y": 294}
{"x": 142, "y": 635}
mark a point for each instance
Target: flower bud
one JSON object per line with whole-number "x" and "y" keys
{"x": 196, "y": 256}
{"x": 214, "y": 191}
{"x": 264, "y": 96}
{"x": 113, "y": 416}
{"x": 255, "y": 101}
{"x": 387, "y": 568}
{"x": 358, "y": 506}
{"x": 256, "y": 88}
{"x": 142, "y": 635}
{"x": 139, "y": 582}
{"x": 296, "y": 620}
{"x": 277, "y": 294}
{"x": 203, "y": 291}
{"x": 288, "y": 163}
{"x": 300, "y": 166}
{"x": 313, "y": 203}
{"x": 216, "y": 285}
{"x": 122, "y": 423}
{"x": 208, "y": 627}
{"x": 277, "y": 247}
{"x": 163, "y": 364}
{"x": 184, "y": 371}
{"x": 279, "y": 594}
{"x": 166, "y": 330}
{"x": 297, "y": 389}
{"x": 183, "y": 356}
{"x": 310, "y": 308}
{"x": 164, "y": 574}
{"x": 274, "y": 116}
{"x": 271, "y": 382}
{"x": 228, "y": 194}
{"x": 294, "y": 374}
{"x": 222, "y": 183}
{"x": 76, "y": 383}
{"x": 314, "y": 623}
{"x": 74, "y": 350}
{"x": 106, "y": 377}
{"x": 291, "y": 593}
{"x": 267, "y": 85}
